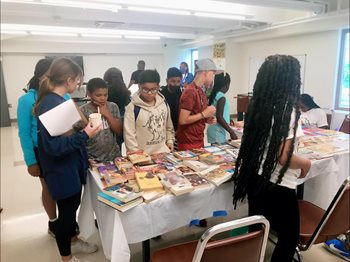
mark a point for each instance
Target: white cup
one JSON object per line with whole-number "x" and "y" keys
{"x": 95, "y": 119}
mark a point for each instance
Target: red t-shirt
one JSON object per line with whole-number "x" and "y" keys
{"x": 192, "y": 99}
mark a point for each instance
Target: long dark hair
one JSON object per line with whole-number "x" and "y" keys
{"x": 275, "y": 96}
{"x": 308, "y": 101}
{"x": 221, "y": 80}
{"x": 59, "y": 72}
{"x": 117, "y": 91}
{"x": 41, "y": 68}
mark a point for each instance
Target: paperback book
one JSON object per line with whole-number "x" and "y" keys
{"x": 176, "y": 183}
{"x": 197, "y": 181}
{"x": 216, "y": 176}
{"x": 186, "y": 155}
{"x": 147, "y": 181}
{"x": 122, "y": 192}
{"x": 117, "y": 204}
{"x": 196, "y": 165}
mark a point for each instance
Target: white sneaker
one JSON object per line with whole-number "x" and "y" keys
{"x": 81, "y": 246}
{"x": 74, "y": 259}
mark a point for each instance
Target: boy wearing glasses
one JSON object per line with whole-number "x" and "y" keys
{"x": 147, "y": 120}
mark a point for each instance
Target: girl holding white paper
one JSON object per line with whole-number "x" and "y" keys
{"x": 63, "y": 158}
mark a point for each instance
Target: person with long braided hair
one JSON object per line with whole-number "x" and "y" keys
{"x": 267, "y": 170}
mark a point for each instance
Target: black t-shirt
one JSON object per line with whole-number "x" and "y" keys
{"x": 135, "y": 76}
{"x": 173, "y": 99}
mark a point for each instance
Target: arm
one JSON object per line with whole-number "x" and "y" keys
{"x": 169, "y": 130}
{"x": 24, "y": 118}
{"x": 221, "y": 120}
{"x": 296, "y": 162}
{"x": 130, "y": 129}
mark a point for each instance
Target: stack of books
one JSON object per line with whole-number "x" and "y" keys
{"x": 176, "y": 183}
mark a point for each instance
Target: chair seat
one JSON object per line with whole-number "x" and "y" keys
{"x": 310, "y": 217}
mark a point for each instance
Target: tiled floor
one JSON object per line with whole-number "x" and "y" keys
{"x": 24, "y": 235}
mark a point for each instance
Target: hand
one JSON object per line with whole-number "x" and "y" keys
{"x": 209, "y": 111}
{"x": 34, "y": 170}
{"x": 212, "y": 120}
{"x": 233, "y": 136}
{"x": 103, "y": 109}
{"x": 92, "y": 131}
{"x": 170, "y": 146}
{"x": 305, "y": 169}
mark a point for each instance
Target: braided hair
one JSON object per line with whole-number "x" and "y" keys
{"x": 275, "y": 96}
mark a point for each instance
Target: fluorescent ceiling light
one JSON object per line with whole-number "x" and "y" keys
{"x": 53, "y": 33}
{"x": 101, "y": 35}
{"x": 76, "y": 30}
{"x": 13, "y": 32}
{"x": 160, "y": 11}
{"x": 141, "y": 37}
{"x": 82, "y": 4}
{"x": 220, "y": 16}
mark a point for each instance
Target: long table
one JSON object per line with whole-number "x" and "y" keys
{"x": 146, "y": 221}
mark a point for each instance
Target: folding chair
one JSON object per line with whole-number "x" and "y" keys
{"x": 249, "y": 247}
{"x": 318, "y": 225}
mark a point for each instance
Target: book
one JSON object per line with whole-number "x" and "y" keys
{"x": 176, "y": 183}
{"x": 110, "y": 175}
{"x": 197, "y": 181}
{"x": 147, "y": 181}
{"x": 234, "y": 152}
{"x": 212, "y": 149}
{"x": 139, "y": 158}
{"x": 122, "y": 192}
{"x": 172, "y": 159}
{"x": 185, "y": 155}
{"x": 199, "y": 151}
{"x": 128, "y": 172}
{"x": 196, "y": 165}
{"x": 122, "y": 162}
{"x": 117, "y": 204}
{"x": 151, "y": 195}
{"x": 217, "y": 176}
{"x": 236, "y": 143}
{"x": 184, "y": 169}
{"x": 211, "y": 159}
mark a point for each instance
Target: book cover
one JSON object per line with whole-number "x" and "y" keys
{"x": 176, "y": 183}
{"x": 138, "y": 158}
{"x": 122, "y": 162}
{"x": 196, "y": 165}
{"x": 151, "y": 195}
{"x": 211, "y": 159}
{"x": 172, "y": 159}
{"x": 212, "y": 149}
{"x": 185, "y": 155}
{"x": 236, "y": 143}
{"x": 122, "y": 192}
{"x": 110, "y": 175}
{"x": 184, "y": 169}
{"x": 128, "y": 172}
{"x": 148, "y": 181}
{"x": 216, "y": 176}
{"x": 197, "y": 181}
{"x": 117, "y": 204}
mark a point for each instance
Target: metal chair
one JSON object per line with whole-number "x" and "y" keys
{"x": 249, "y": 247}
{"x": 318, "y": 225}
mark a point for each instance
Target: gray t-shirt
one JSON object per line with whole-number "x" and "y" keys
{"x": 103, "y": 147}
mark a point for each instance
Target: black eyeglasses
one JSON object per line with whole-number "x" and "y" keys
{"x": 147, "y": 91}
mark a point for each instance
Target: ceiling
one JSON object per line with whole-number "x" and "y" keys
{"x": 177, "y": 21}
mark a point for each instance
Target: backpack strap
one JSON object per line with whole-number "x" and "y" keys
{"x": 136, "y": 112}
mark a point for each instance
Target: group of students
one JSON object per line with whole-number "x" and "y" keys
{"x": 151, "y": 120}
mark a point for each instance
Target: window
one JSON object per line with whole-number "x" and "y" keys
{"x": 343, "y": 83}
{"x": 194, "y": 58}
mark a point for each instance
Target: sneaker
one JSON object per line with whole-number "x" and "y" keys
{"x": 81, "y": 246}
{"x": 337, "y": 247}
{"x": 51, "y": 228}
{"x": 74, "y": 259}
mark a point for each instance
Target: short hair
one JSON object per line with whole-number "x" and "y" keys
{"x": 141, "y": 62}
{"x": 149, "y": 76}
{"x": 173, "y": 72}
{"x": 96, "y": 83}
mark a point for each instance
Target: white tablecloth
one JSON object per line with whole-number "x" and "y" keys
{"x": 146, "y": 220}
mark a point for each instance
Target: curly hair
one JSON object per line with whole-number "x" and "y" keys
{"x": 275, "y": 97}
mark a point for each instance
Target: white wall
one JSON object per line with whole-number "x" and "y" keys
{"x": 19, "y": 61}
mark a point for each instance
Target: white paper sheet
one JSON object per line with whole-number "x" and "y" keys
{"x": 61, "y": 118}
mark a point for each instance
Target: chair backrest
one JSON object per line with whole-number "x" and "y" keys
{"x": 336, "y": 219}
{"x": 248, "y": 247}
{"x": 345, "y": 127}
{"x": 329, "y": 119}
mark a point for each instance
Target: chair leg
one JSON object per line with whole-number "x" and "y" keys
{"x": 299, "y": 256}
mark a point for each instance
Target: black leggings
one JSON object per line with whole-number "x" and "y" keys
{"x": 65, "y": 226}
{"x": 279, "y": 205}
